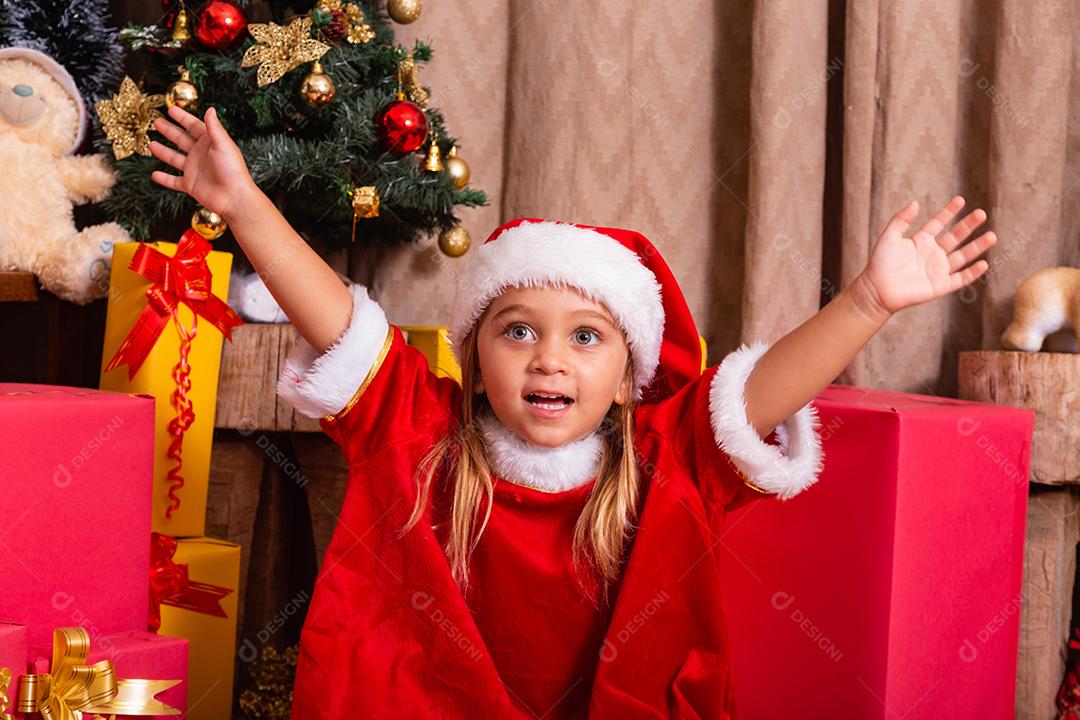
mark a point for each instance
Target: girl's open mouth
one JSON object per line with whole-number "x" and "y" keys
{"x": 548, "y": 405}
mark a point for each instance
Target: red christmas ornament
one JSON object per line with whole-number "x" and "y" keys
{"x": 220, "y": 25}
{"x": 402, "y": 126}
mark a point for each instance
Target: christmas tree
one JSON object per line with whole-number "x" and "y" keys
{"x": 326, "y": 107}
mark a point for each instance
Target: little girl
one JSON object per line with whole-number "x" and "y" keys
{"x": 538, "y": 541}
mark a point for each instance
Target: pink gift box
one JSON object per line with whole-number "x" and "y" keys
{"x": 13, "y": 654}
{"x": 136, "y": 654}
{"x": 74, "y": 508}
{"x": 891, "y": 588}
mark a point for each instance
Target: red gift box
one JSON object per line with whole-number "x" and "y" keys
{"x": 135, "y": 655}
{"x": 75, "y": 499}
{"x": 892, "y": 587}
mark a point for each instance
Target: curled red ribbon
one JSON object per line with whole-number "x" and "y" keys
{"x": 185, "y": 415}
{"x": 170, "y": 584}
{"x": 183, "y": 278}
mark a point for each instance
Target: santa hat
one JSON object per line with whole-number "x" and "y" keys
{"x": 58, "y": 73}
{"x": 619, "y": 268}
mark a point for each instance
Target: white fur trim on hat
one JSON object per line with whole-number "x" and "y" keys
{"x": 544, "y": 253}
{"x": 319, "y": 385}
{"x": 60, "y": 75}
{"x": 786, "y": 470}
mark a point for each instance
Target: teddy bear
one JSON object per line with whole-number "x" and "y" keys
{"x": 1045, "y": 303}
{"x": 42, "y": 124}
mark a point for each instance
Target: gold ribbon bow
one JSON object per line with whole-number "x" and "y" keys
{"x": 73, "y": 688}
{"x": 5, "y": 701}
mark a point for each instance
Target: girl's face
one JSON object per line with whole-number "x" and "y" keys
{"x": 555, "y": 342}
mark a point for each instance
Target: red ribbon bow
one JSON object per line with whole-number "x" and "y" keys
{"x": 170, "y": 584}
{"x": 183, "y": 278}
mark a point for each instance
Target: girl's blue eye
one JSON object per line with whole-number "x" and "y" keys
{"x": 586, "y": 333}
{"x": 511, "y": 331}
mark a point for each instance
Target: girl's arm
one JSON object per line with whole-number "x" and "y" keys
{"x": 901, "y": 272}
{"x": 213, "y": 172}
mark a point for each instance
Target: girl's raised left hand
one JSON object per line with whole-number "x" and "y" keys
{"x": 905, "y": 271}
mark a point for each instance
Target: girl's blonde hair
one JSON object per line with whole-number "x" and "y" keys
{"x": 605, "y": 524}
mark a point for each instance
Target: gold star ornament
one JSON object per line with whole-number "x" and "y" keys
{"x": 127, "y": 117}
{"x": 281, "y": 49}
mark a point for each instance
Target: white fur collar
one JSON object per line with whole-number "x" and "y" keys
{"x": 548, "y": 469}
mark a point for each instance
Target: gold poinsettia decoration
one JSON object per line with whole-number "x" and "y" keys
{"x": 280, "y": 49}
{"x": 127, "y": 117}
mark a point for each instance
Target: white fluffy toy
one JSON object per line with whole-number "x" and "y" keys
{"x": 42, "y": 123}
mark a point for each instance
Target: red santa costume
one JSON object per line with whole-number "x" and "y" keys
{"x": 389, "y": 633}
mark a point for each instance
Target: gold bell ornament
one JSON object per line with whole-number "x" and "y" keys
{"x": 317, "y": 89}
{"x": 183, "y": 92}
{"x": 181, "y": 31}
{"x": 403, "y": 11}
{"x": 433, "y": 161}
{"x": 208, "y": 223}
{"x": 455, "y": 242}
{"x": 457, "y": 169}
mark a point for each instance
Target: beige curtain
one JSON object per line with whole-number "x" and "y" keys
{"x": 762, "y": 146}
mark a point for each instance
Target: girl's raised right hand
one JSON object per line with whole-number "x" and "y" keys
{"x": 211, "y": 165}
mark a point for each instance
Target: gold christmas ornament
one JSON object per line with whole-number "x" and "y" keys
{"x": 127, "y": 117}
{"x": 281, "y": 49}
{"x": 365, "y": 202}
{"x": 181, "y": 31}
{"x": 317, "y": 90}
{"x": 403, "y": 11}
{"x": 406, "y": 76}
{"x": 359, "y": 30}
{"x": 183, "y": 92}
{"x": 433, "y": 161}
{"x": 455, "y": 241}
{"x": 208, "y": 223}
{"x": 457, "y": 169}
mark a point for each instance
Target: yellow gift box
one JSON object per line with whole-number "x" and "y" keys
{"x": 212, "y": 639}
{"x": 434, "y": 342}
{"x": 127, "y": 298}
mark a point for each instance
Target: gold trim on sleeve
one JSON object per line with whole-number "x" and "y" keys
{"x": 370, "y": 376}
{"x": 746, "y": 480}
